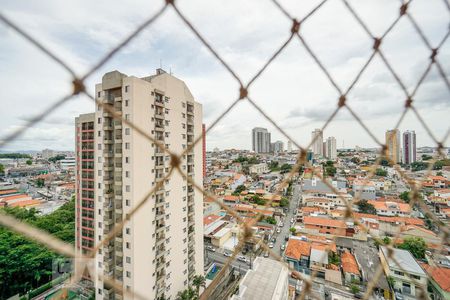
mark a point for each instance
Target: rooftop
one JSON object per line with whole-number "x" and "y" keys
{"x": 404, "y": 258}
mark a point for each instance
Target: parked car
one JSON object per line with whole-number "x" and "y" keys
{"x": 210, "y": 248}
{"x": 274, "y": 239}
{"x": 227, "y": 254}
{"x": 242, "y": 258}
{"x": 278, "y": 230}
{"x": 270, "y": 245}
{"x": 286, "y": 238}
{"x": 266, "y": 254}
{"x": 282, "y": 247}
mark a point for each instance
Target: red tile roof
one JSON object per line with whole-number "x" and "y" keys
{"x": 349, "y": 264}
{"x": 440, "y": 275}
{"x": 231, "y": 198}
{"x": 297, "y": 248}
{"x": 210, "y": 219}
{"x": 324, "y": 222}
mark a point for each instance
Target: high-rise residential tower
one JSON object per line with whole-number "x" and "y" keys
{"x": 317, "y": 145}
{"x": 330, "y": 148}
{"x": 278, "y": 147}
{"x": 289, "y": 146}
{"x": 393, "y": 145}
{"x": 160, "y": 248}
{"x": 260, "y": 140}
{"x": 409, "y": 147}
{"x": 84, "y": 183}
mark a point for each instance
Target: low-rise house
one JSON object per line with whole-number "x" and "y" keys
{"x": 438, "y": 281}
{"x": 231, "y": 200}
{"x": 366, "y": 189}
{"x": 350, "y": 268}
{"x": 416, "y": 231}
{"x": 391, "y": 209}
{"x": 318, "y": 260}
{"x": 297, "y": 254}
{"x": 404, "y": 271}
{"x": 439, "y": 182}
{"x": 258, "y": 169}
{"x": 327, "y": 226}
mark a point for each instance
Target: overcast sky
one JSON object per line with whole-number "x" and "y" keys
{"x": 293, "y": 90}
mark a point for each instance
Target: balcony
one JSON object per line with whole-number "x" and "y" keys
{"x": 159, "y": 115}
{"x": 108, "y": 153}
{"x": 117, "y": 124}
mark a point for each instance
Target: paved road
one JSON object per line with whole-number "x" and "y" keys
{"x": 293, "y": 204}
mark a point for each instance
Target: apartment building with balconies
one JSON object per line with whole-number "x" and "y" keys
{"x": 160, "y": 248}
{"x": 84, "y": 187}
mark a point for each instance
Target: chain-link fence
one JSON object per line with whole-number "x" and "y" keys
{"x": 292, "y": 33}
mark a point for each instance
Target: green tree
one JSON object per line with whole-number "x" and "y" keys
{"x": 260, "y": 201}
{"x": 14, "y": 155}
{"x": 415, "y": 245}
{"x": 333, "y": 258}
{"x": 419, "y": 166}
{"x": 270, "y": 220}
{"x": 330, "y": 171}
{"x": 2, "y": 169}
{"x": 187, "y": 294}
{"x": 239, "y": 189}
{"x": 198, "y": 281}
{"x": 386, "y": 240}
{"x": 355, "y": 160}
{"x": 29, "y": 162}
{"x": 426, "y": 157}
{"x": 293, "y": 230}
{"x": 56, "y": 158}
{"x": 25, "y": 264}
{"x": 380, "y": 172}
{"x": 354, "y": 288}
{"x": 284, "y": 202}
{"x": 285, "y": 168}
{"x": 273, "y": 166}
{"x": 366, "y": 208}
{"x": 437, "y": 174}
{"x": 40, "y": 182}
{"x": 438, "y": 165}
{"x": 405, "y": 196}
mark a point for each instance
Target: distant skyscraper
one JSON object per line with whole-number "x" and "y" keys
{"x": 289, "y": 146}
{"x": 160, "y": 250}
{"x": 393, "y": 145}
{"x": 409, "y": 147}
{"x": 260, "y": 140}
{"x": 278, "y": 147}
{"x": 330, "y": 148}
{"x": 317, "y": 146}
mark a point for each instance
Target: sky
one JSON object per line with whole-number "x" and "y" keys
{"x": 293, "y": 90}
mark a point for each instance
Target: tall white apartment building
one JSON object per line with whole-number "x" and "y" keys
{"x": 160, "y": 249}
{"x": 260, "y": 140}
{"x": 409, "y": 147}
{"x": 317, "y": 146}
{"x": 330, "y": 148}
{"x": 289, "y": 146}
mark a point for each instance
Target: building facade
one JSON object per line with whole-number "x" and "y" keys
{"x": 409, "y": 147}
{"x": 84, "y": 183}
{"x": 393, "y": 145}
{"x": 317, "y": 145}
{"x": 330, "y": 148}
{"x": 277, "y": 147}
{"x": 160, "y": 248}
{"x": 260, "y": 140}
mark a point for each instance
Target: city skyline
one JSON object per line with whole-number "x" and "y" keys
{"x": 298, "y": 106}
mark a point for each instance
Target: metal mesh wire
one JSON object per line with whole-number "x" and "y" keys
{"x": 292, "y": 33}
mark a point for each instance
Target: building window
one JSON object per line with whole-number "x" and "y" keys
{"x": 127, "y": 188}
{"x": 184, "y": 219}
{"x": 127, "y": 202}
{"x": 128, "y": 259}
{"x": 99, "y": 224}
{"x": 127, "y": 88}
{"x": 127, "y": 160}
{"x": 128, "y": 274}
{"x": 100, "y": 212}
{"x": 127, "y": 174}
{"x": 99, "y": 133}
{"x": 99, "y": 291}
{"x": 99, "y": 172}
{"x": 399, "y": 273}
{"x": 99, "y": 185}
{"x": 126, "y": 102}
{"x": 99, "y": 120}
{"x": 99, "y": 94}
{"x": 183, "y": 125}
{"x": 127, "y": 131}
{"x": 127, "y": 230}
{"x": 127, "y": 146}
{"x": 183, "y": 115}
{"x": 99, "y": 147}
{"x": 127, "y": 245}
{"x": 127, "y": 117}
{"x": 99, "y": 159}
